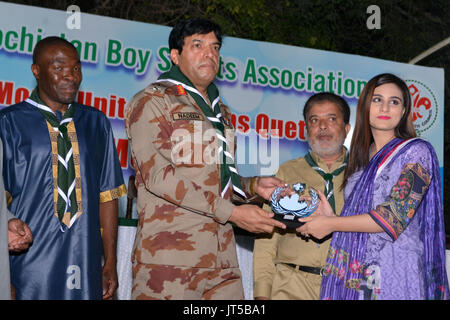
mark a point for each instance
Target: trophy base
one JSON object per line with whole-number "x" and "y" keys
{"x": 289, "y": 220}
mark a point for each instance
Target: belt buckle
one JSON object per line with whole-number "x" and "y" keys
{"x": 322, "y": 270}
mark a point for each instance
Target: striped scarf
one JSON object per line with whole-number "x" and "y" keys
{"x": 66, "y": 169}
{"x": 229, "y": 177}
{"x": 328, "y": 177}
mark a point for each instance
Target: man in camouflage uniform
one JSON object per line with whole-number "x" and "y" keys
{"x": 186, "y": 178}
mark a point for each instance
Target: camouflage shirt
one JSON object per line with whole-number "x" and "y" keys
{"x": 182, "y": 217}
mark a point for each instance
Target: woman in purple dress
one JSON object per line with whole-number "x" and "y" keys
{"x": 389, "y": 241}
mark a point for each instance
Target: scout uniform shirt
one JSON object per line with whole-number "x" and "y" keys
{"x": 290, "y": 247}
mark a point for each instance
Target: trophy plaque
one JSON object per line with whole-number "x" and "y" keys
{"x": 288, "y": 209}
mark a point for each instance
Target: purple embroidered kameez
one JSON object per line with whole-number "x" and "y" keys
{"x": 407, "y": 261}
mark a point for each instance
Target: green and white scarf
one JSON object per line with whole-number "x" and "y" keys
{"x": 328, "y": 177}
{"x": 228, "y": 174}
{"x": 66, "y": 182}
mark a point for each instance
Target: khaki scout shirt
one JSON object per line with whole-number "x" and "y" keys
{"x": 182, "y": 218}
{"x": 288, "y": 247}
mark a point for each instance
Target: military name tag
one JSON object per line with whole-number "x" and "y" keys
{"x": 187, "y": 116}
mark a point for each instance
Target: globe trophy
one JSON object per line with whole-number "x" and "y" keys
{"x": 288, "y": 208}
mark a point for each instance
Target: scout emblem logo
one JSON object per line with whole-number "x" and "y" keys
{"x": 288, "y": 209}
{"x": 424, "y": 106}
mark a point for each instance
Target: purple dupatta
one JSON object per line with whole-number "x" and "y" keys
{"x": 344, "y": 267}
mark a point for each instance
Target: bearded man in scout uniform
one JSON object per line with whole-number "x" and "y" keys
{"x": 181, "y": 140}
{"x": 62, "y": 172}
{"x": 287, "y": 265}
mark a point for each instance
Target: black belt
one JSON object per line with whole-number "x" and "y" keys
{"x": 314, "y": 270}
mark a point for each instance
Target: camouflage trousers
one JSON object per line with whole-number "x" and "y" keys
{"x": 164, "y": 282}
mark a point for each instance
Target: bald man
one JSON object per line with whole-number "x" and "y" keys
{"x": 62, "y": 172}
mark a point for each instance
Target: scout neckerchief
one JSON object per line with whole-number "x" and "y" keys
{"x": 67, "y": 201}
{"x": 328, "y": 177}
{"x": 228, "y": 173}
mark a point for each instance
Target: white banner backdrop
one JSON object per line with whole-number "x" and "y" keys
{"x": 265, "y": 84}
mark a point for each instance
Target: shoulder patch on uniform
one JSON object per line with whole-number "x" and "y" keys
{"x": 181, "y": 90}
{"x": 187, "y": 116}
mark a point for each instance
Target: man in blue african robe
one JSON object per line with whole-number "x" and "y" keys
{"x": 62, "y": 174}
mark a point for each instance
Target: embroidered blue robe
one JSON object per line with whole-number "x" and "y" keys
{"x": 62, "y": 263}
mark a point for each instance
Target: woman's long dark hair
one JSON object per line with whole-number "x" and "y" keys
{"x": 362, "y": 135}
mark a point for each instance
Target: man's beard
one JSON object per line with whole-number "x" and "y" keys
{"x": 331, "y": 149}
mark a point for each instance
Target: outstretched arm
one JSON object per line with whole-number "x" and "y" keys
{"x": 392, "y": 216}
{"x": 158, "y": 167}
{"x": 327, "y": 222}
